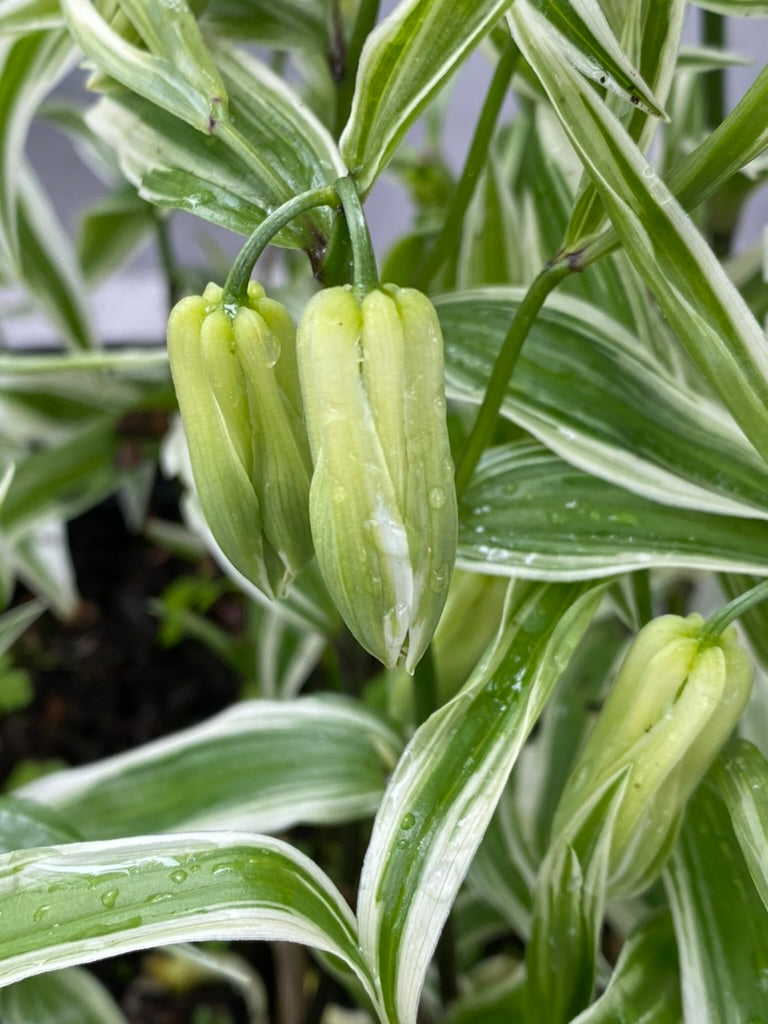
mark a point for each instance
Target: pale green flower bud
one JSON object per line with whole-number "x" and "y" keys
{"x": 382, "y": 500}
{"x": 673, "y": 705}
{"x": 237, "y": 385}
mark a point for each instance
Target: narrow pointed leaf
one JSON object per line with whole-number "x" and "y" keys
{"x": 581, "y": 32}
{"x": 590, "y": 391}
{"x": 48, "y": 265}
{"x": 404, "y": 62}
{"x": 162, "y": 156}
{"x": 65, "y": 905}
{"x": 721, "y": 924}
{"x": 653, "y": 34}
{"x": 703, "y": 307}
{"x": 568, "y": 911}
{"x": 23, "y": 17}
{"x": 527, "y": 513}
{"x": 169, "y": 82}
{"x": 265, "y": 765}
{"x": 29, "y": 68}
{"x": 446, "y": 786}
{"x": 644, "y": 987}
{"x": 741, "y": 777}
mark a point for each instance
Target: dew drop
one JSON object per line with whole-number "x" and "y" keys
{"x": 437, "y": 497}
{"x": 109, "y": 898}
{"x": 40, "y": 913}
{"x": 178, "y": 876}
{"x": 158, "y": 897}
{"x": 408, "y": 822}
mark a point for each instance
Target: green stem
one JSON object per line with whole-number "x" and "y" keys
{"x": 715, "y": 625}
{"x": 714, "y": 82}
{"x": 365, "y": 275}
{"x": 167, "y": 261}
{"x": 236, "y": 285}
{"x": 485, "y": 424}
{"x": 477, "y": 157}
{"x": 367, "y": 13}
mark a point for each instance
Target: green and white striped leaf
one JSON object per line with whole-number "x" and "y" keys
{"x": 404, "y": 62}
{"x": 721, "y": 924}
{"x": 226, "y": 181}
{"x": 446, "y": 785}
{"x": 527, "y": 513}
{"x": 652, "y": 36}
{"x": 568, "y": 910}
{"x": 72, "y": 904}
{"x": 62, "y": 480}
{"x": 23, "y": 17}
{"x": 41, "y": 560}
{"x": 29, "y": 68}
{"x": 176, "y": 72}
{"x": 48, "y": 265}
{"x": 548, "y": 759}
{"x": 741, "y": 137}
{"x": 580, "y": 31}
{"x": 503, "y": 871}
{"x": 261, "y": 765}
{"x": 703, "y": 307}
{"x": 589, "y": 390}
{"x": 66, "y": 388}
{"x": 645, "y": 985}
{"x": 740, "y": 775}
{"x": 71, "y": 996}
{"x": 413, "y": 52}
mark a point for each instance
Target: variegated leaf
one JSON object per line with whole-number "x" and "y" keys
{"x": 263, "y": 765}
{"x": 721, "y": 924}
{"x": 527, "y": 513}
{"x": 446, "y": 785}
{"x": 590, "y": 391}
{"x": 708, "y": 315}
{"x": 72, "y": 904}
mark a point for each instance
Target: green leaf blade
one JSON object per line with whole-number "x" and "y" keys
{"x": 445, "y": 787}
{"x": 65, "y": 905}
{"x": 267, "y": 765}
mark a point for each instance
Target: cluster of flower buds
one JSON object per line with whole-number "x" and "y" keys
{"x": 235, "y": 376}
{"x": 676, "y": 699}
{"x": 355, "y": 403}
